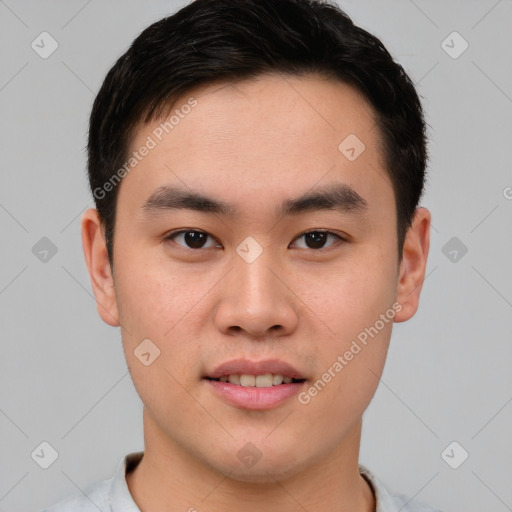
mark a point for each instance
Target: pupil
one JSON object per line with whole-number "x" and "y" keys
{"x": 317, "y": 239}
{"x": 195, "y": 239}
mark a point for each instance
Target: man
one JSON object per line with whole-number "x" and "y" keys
{"x": 257, "y": 167}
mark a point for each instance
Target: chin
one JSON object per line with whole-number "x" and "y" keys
{"x": 264, "y": 471}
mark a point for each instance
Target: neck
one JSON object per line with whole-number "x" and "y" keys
{"x": 171, "y": 479}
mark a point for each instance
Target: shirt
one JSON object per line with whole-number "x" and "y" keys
{"x": 113, "y": 495}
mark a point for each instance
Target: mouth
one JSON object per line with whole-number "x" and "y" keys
{"x": 255, "y": 385}
{"x": 266, "y": 380}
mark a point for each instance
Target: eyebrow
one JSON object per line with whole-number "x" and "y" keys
{"x": 337, "y": 196}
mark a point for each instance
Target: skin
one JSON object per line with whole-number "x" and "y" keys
{"x": 253, "y": 145}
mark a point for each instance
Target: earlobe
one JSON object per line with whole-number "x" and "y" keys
{"x": 96, "y": 257}
{"x": 413, "y": 265}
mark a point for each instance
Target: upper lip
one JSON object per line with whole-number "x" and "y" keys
{"x": 246, "y": 367}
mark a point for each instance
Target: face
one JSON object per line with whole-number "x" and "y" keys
{"x": 261, "y": 227}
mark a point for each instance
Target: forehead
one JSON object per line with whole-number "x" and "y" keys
{"x": 267, "y": 138}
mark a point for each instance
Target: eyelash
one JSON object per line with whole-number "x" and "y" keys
{"x": 171, "y": 236}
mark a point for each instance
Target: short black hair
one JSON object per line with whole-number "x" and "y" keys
{"x": 209, "y": 41}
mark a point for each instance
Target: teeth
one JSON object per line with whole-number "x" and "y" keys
{"x": 264, "y": 381}
{"x": 258, "y": 381}
{"x": 247, "y": 380}
{"x": 277, "y": 379}
{"x": 234, "y": 379}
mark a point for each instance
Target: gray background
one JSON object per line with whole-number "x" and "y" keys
{"x": 448, "y": 376}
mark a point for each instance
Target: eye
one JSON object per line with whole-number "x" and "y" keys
{"x": 192, "y": 239}
{"x": 195, "y": 239}
{"x": 317, "y": 239}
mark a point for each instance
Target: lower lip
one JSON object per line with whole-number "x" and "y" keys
{"x": 253, "y": 397}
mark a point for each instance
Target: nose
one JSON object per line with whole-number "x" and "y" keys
{"x": 257, "y": 298}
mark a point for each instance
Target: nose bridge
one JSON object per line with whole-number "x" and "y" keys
{"x": 254, "y": 283}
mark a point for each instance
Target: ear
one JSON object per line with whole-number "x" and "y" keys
{"x": 412, "y": 267}
{"x": 96, "y": 257}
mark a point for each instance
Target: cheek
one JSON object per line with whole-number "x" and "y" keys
{"x": 353, "y": 310}
{"x": 162, "y": 355}
{"x": 347, "y": 380}
{"x": 155, "y": 296}
{"x": 348, "y": 296}
{"x": 162, "y": 307}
